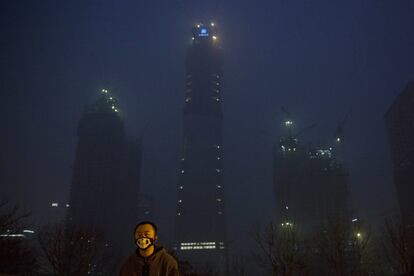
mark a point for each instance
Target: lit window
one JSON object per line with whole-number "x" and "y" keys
{"x": 181, "y": 187}
{"x": 218, "y": 157}
{"x": 218, "y": 170}
{"x": 67, "y": 205}
{"x": 219, "y": 186}
{"x": 287, "y": 207}
{"x": 187, "y": 100}
{"x": 180, "y": 200}
{"x": 55, "y": 204}
{"x": 219, "y": 199}
{"x": 178, "y": 214}
{"x": 182, "y": 171}
{"x": 197, "y": 245}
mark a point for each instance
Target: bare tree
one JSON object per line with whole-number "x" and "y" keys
{"x": 343, "y": 249}
{"x": 71, "y": 250}
{"x": 398, "y": 245}
{"x": 281, "y": 250}
{"x": 17, "y": 255}
{"x": 238, "y": 265}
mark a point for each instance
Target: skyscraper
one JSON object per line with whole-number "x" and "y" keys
{"x": 106, "y": 171}
{"x": 399, "y": 121}
{"x": 310, "y": 184}
{"x": 200, "y": 222}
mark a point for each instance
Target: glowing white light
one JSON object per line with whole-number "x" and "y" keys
{"x": 214, "y": 37}
{"x": 219, "y": 199}
{"x": 182, "y": 171}
{"x": 198, "y": 25}
{"x": 13, "y": 235}
{"x": 197, "y": 245}
{"x": 338, "y": 139}
{"x": 287, "y": 207}
{"x": 354, "y": 220}
{"x": 180, "y": 200}
{"x": 55, "y": 204}
{"x": 178, "y": 214}
{"x": 288, "y": 123}
{"x": 28, "y": 231}
{"x": 212, "y": 24}
{"x": 116, "y": 110}
{"x": 67, "y": 205}
{"x": 181, "y": 187}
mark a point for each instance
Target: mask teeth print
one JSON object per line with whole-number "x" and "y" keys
{"x": 144, "y": 243}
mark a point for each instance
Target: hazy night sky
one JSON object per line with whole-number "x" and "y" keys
{"x": 319, "y": 59}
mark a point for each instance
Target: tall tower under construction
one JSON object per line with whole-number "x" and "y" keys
{"x": 106, "y": 171}
{"x": 310, "y": 183}
{"x": 200, "y": 221}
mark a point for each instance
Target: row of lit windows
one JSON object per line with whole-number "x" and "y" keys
{"x": 201, "y": 245}
{"x": 197, "y": 243}
{"x": 197, "y": 247}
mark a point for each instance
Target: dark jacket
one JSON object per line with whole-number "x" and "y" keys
{"x": 160, "y": 263}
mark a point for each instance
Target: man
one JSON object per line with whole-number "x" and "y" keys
{"x": 149, "y": 259}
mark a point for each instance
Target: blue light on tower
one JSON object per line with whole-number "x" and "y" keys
{"x": 203, "y": 32}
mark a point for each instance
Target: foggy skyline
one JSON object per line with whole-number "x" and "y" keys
{"x": 320, "y": 60}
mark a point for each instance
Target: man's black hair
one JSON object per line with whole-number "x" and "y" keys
{"x": 146, "y": 222}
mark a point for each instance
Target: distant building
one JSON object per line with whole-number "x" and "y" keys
{"x": 310, "y": 184}
{"x": 399, "y": 121}
{"x": 106, "y": 173}
{"x": 200, "y": 221}
{"x": 146, "y": 207}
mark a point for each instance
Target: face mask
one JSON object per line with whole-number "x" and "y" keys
{"x": 144, "y": 243}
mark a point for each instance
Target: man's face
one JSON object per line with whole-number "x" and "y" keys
{"x": 145, "y": 231}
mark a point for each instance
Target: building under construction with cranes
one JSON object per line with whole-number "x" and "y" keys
{"x": 200, "y": 216}
{"x": 106, "y": 172}
{"x": 310, "y": 183}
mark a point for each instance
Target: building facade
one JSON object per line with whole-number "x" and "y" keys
{"x": 310, "y": 184}
{"x": 106, "y": 172}
{"x": 200, "y": 221}
{"x": 399, "y": 121}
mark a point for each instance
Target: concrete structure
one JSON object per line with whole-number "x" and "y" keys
{"x": 399, "y": 121}
{"x": 106, "y": 172}
{"x": 201, "y": 223}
